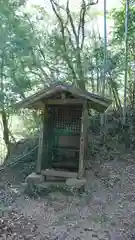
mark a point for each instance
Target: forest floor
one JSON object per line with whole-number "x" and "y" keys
{"x": 105, "y": 211}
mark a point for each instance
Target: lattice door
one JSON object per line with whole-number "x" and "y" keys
{"x": 66, "y": 118}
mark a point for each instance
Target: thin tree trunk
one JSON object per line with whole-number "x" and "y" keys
{"x": 133, "y": 105}
{"x": 3, "y": 111}
{"x": 102, "y": 120}
{"x": 5, "y": 131}
{"x": 126, "y": 63}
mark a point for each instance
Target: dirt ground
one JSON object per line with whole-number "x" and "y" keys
{"x": 105, "y": 211}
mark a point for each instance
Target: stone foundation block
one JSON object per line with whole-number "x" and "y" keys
{"x": 34, "y": 178}
{"x": 77, "y": 183}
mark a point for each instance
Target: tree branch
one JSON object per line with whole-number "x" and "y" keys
{"x": 54, "y": 5}
{"x": 72, "y": 25}
{"x": 82, "y": 21}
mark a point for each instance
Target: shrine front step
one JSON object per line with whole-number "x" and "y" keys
{"x": 38, "y": 179}
{"x": 59, "y": 174}
{"x": 48, "y": 181}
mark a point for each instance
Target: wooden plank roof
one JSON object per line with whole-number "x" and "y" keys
{"x": 97, "y": 102}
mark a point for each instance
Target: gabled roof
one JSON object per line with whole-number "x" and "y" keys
{"x": 96, "y": 102}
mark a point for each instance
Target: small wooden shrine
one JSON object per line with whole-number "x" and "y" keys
{"x": 62, "y": 150}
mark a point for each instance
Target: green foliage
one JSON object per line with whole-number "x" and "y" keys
{"x": 15, "y": 46}
{"x": 31, "y": 122}
{"x": 119, "y": 24}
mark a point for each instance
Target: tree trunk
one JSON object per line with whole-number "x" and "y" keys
{"x": 6, "y": 131}
{"x": 103, "y": 117}
{"x": 126, "y": 62}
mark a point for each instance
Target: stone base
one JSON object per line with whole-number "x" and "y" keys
{"x": 34, "y": 178}
{"x": 76, "y": 183}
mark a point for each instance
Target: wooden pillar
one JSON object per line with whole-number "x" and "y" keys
{"x": 83, "y": 141}
{"x": 41, "y": 141}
